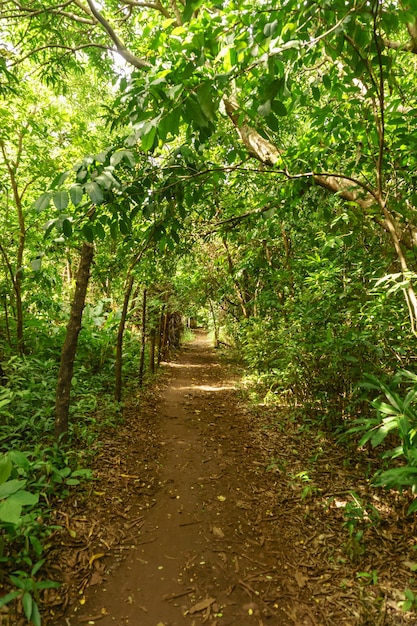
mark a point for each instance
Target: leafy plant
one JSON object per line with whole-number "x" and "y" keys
{"x": 27, "y": 591}
{"x": 13, "y": 495}
{"x": 396, "y": 415}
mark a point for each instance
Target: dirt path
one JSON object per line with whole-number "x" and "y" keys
{"x": 198, "y": 554}
{"x": 186, "y": 525}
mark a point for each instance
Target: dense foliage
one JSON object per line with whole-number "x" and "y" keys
{"x": 247, "y": 164}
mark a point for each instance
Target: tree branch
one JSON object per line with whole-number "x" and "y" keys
{"x": 148, "y": 5}
{"x": 121, "y": 48}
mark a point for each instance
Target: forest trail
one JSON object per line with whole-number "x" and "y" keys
{"x": 209, "y": 510}
{"x": 201, "y": 550}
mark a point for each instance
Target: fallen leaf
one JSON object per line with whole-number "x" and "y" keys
{"x": 96, "y": 579}
{"x": 95, "y": 557}
{"x": 301, "y": 579}
{"x": 201, "y": 606}
{"x": 411, "y": 564}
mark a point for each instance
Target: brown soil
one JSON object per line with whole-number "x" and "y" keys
{"x": 209, "y": 510}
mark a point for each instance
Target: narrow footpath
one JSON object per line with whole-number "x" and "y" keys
{"x": 206, "y": 510}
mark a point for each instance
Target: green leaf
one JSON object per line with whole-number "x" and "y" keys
{"x": 19, "y": 459}
{"x": 95, "y": 193}
{"x": 27, "y": 603}
{"x": 279, "y": 108}
{"x": 9, "y": 597}
{"x": 124, "y": 227}
{"x": 25, "y": 498}
{"x": 205, "y": 99}
{"x": 118, "y": 156}
{"x": 10, "y": 487}
{"x": 36, "y": 264}
{"x": 72, "y": 481}
{"x": 194, "y": 114}
{"x": 67, "y": 227}
{"x": 61, "y": 200}
{"x": 36, "y": 545}
{"x": 190, "y": 7}
{"x": 88, "y": 233}
{"x": 147, "y": 140}
{"x": 43, "y": 202}
{"x": 10, "y": 511}
{"x": 327, "y": 82}
{"x": 35, "y": 618}
{"x": 270, "y": 28}
{"x": 5, "y": 468}
{"x": 99, "y": 231}
{"x": 76, "y": 194}
{"x": 60, "y": 179}
{"x": 37, "y": 567}
{"x": 316, "y": 93}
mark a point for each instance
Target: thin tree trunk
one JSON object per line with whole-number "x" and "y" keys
{"x": 238, "y": 290}
{"x": 143, "y": 346}
{"x": 152, "y": 350}
{"x": 119, "y": 343}
{"x": 160, "y": 333}
{"x": 164, "y": 341}
{"x": 69, "y": 349}
{"x": 215, "y": 326}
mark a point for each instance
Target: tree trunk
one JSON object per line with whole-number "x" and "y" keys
{"x": 69, "y": 349}
{"x": 143, "y": 346}
{"x": 240, "y": 296}
{"x": 164, "y": 341}
{"x": 215, "y": 326}
{"x": 152, "y": 350}
{"x": 160, "y": 333}
{"x": 119, "y": 343}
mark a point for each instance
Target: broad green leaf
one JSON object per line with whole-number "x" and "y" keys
{"x": 194, "y": 113}
{"x": 5, "y": 468}
{"x": 124, "y": 227}
{"x": 25, "y": 498}
{"x": 118, "y": 156}
{"x": 106, "y": 180}
{"x": 60, "y": 179}
{"x": 61, "y": 200}
{"x": 10, "y": 487}
{"x": 43, "y": 202}
{"x": 76, "y": 193}
{"x": 316, "y": 93}
{"x": 279, "y": 108}
{"x": 88, "y": 233}
{"x": 327, "y": 81}
{"x": 95, "y": 193}
{"x": 67, "y": 227}
{"x": 205, "y": 99}
{"x": 19, "y": 459}
{"x": 10, "y": 511}
{"x": 99, "y": 231}
{"x": 147, "y": 140}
